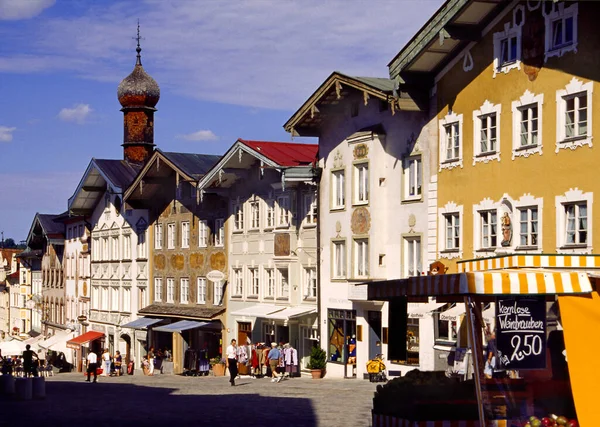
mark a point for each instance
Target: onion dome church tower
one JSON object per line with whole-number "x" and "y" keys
{"x": 138, "y": 94}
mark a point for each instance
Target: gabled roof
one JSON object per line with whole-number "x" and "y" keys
{"x": 48, "y": 227}
{"x": 308, "y": 119}
{"x": 281, "y": 156}
{"x": 455, "y": 24}
{"x": 194, "y": 165}
{"x": 100, "y": 175}
{"x": 7, "y": 254}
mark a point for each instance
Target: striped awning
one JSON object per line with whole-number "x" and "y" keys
{"x": 496, "y": 282}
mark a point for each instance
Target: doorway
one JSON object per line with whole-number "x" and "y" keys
{"x": 127, "y": 355}
{"x": 374, "y": 321}
{"x": 244, "y": 332}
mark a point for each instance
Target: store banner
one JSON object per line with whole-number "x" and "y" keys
{"x": 521, "y": 332}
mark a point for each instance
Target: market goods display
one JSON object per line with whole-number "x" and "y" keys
{"x": 551, "y": 420}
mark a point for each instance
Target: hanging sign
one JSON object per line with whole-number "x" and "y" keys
{"x": 215, "y": 276}
{"x": 521, "y": 332}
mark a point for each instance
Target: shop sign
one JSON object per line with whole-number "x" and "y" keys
{"x": 81, "y": 318}
{"x": 521, "y": 332}
{"x": 215, "y": 276}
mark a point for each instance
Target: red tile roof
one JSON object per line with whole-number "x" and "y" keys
{"x": 285, "y": 153}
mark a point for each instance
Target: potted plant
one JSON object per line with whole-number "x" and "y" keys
{"x": 217, "y": 365}
{"x": 317, "y": 362}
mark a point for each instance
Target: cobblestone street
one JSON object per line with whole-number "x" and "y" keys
{"x": 169, "y": 400}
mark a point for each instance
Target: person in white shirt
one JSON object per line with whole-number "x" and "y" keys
{"x": 92, "y": 361}
{"x": 231, "y": 355}
{"x": 106, "y": 363}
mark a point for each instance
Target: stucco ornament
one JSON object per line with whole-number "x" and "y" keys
{"x": 177, "y": 262}
{"x": 196, "y": 260}
{"x": 218, "y": 261}
{"x": 159, "y": 261}
{"x": 361, "y": 151}
{"x": 412, "y": 221}
{"x": 338, "y": 159}
{"x": 361, "y": 221}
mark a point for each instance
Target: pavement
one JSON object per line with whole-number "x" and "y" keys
{"x": 173, "y": 400}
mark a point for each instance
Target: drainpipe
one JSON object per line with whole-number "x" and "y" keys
{"x": 318, "y": 171}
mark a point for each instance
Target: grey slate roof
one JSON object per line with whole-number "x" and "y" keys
{"x": 51, "y": 224}
{"x": 182, "y": 311}
{"x": 119, "y": 172}
{"x": 381, "y": 83}
{"x": 195, "y": 165}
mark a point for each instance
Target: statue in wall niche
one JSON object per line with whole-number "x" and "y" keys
{"x": 506, "y": 230}
{"x": 437, "y": 267}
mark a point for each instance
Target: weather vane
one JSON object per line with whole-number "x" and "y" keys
{"x": 138, "y": 49}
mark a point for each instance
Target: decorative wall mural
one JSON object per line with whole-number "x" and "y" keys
{"x": 361, "y": 221}
{"x": 218, "y": 261}
{"x": 361, "y": 151}
{"x": 282, "y": 244}
{"x": 196, "y": 260}
{"x": 159, "y": 262}
{"x": 177, "y": 262}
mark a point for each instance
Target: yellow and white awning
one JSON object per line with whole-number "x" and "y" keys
{"x": 492, "y": 282}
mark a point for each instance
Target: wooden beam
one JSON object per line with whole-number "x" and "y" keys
{"x": 92, "y": 189}
{"x": 463, "y": 32}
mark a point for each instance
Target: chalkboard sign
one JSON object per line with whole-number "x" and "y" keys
{"x": 521, "y": 332}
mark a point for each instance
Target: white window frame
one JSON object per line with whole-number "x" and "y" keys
{"x": 270, "y": 283}
{"x": 115, "y": 298}
{"x": 526, "y": 202}
{"x": 255, "y": 215}
{"x": 201, "y": 290}
{"x": 573, "y": 90}
{"x": 158, "y": 236}
{"x": 254, "y": 282}
{"x": 310, "y": 280}
{"x": 338, "y": 189}
{"x": 361, "y": 183}
{"x": 450, "y": 209}
{"x": 339, "y": 267}
{"x": 527, "y": 100}
{"x": 413, "y": 178}
{"x": 413, "y": 255}
{"x": 270, "y": 214}
{"x": 510, "y": 32}
{"x": 218, "y": 293}
{"x": 452, "y": 122}
{"x": 238, "y": 217}
{"x": 171, "y": 235}
{"x": 158, "y": 289}
{"x": 310, "y": 209}
{"x": 219, "y": 232}
{"x": 185, "y": 234}
{"x": 202, "y": 233}
{"x": 184, "y": 290}
{"x": 126, "y": 301}
{"x": 283, "y": 284}
{"x": 170, "y": 290}
{"x": 283, "y": 211}
{"x": 489, "y": 230}
{"x": 525, "y": 226}
{"x": 361, "y": 257}
{"x": 485, "y": 113}
{"x": 573, "y": 196}
{"x": 238, "y": 283}
{"x": 560, "y": 12}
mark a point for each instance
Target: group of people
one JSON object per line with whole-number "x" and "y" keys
{"x": 276, "y": 360}
{"x": 111, "y": 365}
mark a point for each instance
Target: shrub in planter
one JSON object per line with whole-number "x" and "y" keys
{"x": 317, "y": 362}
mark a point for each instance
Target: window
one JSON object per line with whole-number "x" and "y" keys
{"x": 158, "y": 289}
{"x": 413, "y": 178}
{"x": 527, "y": 125}
{"x": 127, "y": 246}
{"x": 576, "y": 224}
{"x": 508, "y": 50}
{"x": 489, "y": 229}
{"x": 574, "y": 115}
{"x": 574, "y": 218}
{"x": 170, "y": 290}
{"x": 270, "y": 283}
{"x": 170, "y": 236}
{"x": 412, "y": 256}
{"x": 126, "y": 300}
{"x": 284, "y": 283}
{"x": 202, "y": 233}
{"x": 561, "y": 30}
{"x": 184, "y": 293}
{"x": 96, "y": 297}
{"x": 158, "y": 236}
{"x": 201, "y": 292}
{"x": 488, "y": 135}
{"x": 238, "y": 217}
{"x": 283, "y": 211}
{"x": 141, "y": 245}
{"x": 142, "y": 297}
{"x": 452, "y": 224}
{"x": 254, "y": 282}
{"x": 185, "y": 234}
{"x": 310, "y": 275}
{"x": 238, "y": 282}
{"x": 341, "y": 324}
{"x": 338, "y": 259}
{"x": 218, "y": 293}
{"x": 338, "y": 187}
{"x": 446, "y": 328}
{"x": 115, "y": 248}
{"x": 310, "y": 208}
{"x": 114, "y": 298}
{"x": 528, "y": 226}
{"x": 507, "y": 44}
{"x": 105, "y": 300}
{"x": 361, "y": 183}
{"x": 361, "y": 258}
{"x": 255, "y": 215}
{"x": 219, "y": 232}
{"x": 270, "y": 214}
{"x": 451, "y": 141}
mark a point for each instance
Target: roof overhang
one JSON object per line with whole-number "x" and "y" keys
{"x": 309, "y": 117}
{"x": 92, "y": 185}
{"x": 456, "y": 24}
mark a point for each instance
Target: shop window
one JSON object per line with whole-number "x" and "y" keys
{"x": 527, "y": 125}
{"x": 446, "y": 331}
{"x": 341, "y": 328}
{"x": 413, "y": 178}
{"x": 338, "y": 189}
{"x": 451, "y": 141}
{"x": 361, "y": 183}
{"x": 561, "y": 29}
{"x": 574, "y": 115}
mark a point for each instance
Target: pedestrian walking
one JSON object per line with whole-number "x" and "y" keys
{"x": 92, "y": 361}
{"x": 106, "y": 362}
{"x": 29, "y": 367}
{"x": 151, "y": 361}
{"x": 231, "y": 354}
{"x": 274, "y": 358}
{"x": 118, "y": 361}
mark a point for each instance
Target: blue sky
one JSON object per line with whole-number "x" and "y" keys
{"x": 227, "y": 70}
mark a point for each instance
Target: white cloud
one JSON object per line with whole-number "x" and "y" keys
{"x": 22, "y": 9}
{"x": 6, "y": 133}
{"x": 77, "y": 114}
{"x": 260, "y": 54}
{"x": 201, "y": 135}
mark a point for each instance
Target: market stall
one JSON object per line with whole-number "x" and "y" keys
{"x": 534, "y": 364}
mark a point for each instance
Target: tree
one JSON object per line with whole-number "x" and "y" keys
{"x": 9, "y": 243}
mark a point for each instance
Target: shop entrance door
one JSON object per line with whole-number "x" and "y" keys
{"x": 374, "y": 321}
{"x": 244, "y": 332}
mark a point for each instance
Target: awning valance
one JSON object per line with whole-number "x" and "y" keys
{"x": 418, "y": 311}
{"x": 141, "y": 323}
{"x": 57, "y": 338}
{"x": 290, "y": 313}
{"x": 77, "y": 342}
{"x": 258, "y": 310}
{"x": 497, "y": 282}
{"x": 182, "y": 325}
